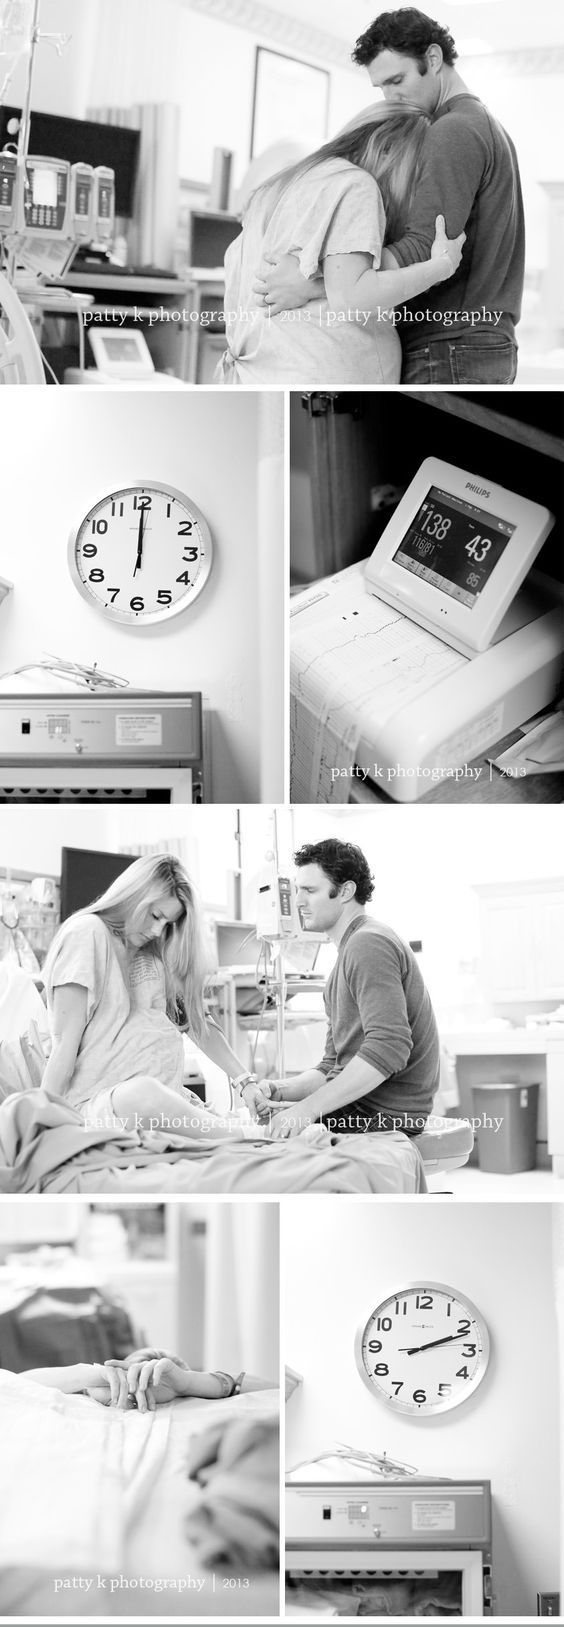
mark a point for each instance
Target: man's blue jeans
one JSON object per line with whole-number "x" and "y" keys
{"x": 475, "y": 357}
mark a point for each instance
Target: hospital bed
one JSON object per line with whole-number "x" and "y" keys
{"x": 93, "y": 1497}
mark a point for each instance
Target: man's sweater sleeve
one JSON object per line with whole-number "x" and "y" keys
{"x": 374, "y": 974}
{"x": 455, "y": 160}
{"x": 329, "y": 1062}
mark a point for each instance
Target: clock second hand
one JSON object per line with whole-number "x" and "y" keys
{"x": 414, "y": 1350}
{"x": 140, "y": 534}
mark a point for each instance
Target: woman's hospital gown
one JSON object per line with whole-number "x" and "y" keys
{"x": 335, "y": 208}
{"x": 128, "y": 1034}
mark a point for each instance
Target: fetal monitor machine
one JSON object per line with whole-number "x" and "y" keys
{"x": 407, "y": 667}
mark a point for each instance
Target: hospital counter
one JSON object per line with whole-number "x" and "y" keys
{"x": 119, "y": 302}
{"x": 230, "y": 981}
{"x": 524, "y": 1055}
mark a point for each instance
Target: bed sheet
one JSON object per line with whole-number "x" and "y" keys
{"x": 46, "y": 1147}
{"x": 94, "y": 1507}
{"x": 372, "y": 1163}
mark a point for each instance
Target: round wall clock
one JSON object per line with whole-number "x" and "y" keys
{"x": 423, "y": 1350}
{"x": 141, "y": 554}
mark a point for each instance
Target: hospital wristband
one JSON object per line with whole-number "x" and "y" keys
{"x": 242, "y": 1080}
{"x": 230, "y": 1386}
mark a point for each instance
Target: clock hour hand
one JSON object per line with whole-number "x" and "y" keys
{"x": 140, "y": 533}
{"x": 414, "y": 1350}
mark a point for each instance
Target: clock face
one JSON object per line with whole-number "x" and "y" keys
{"x": 423, "y": 1350}
{"x": 141, "y": 554}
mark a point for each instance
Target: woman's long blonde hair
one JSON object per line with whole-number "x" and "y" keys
{"x": 181, "y": 948}
{"x": 388, "y": 145}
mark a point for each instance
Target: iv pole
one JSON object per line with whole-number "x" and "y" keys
{"x": 279, "y": 979}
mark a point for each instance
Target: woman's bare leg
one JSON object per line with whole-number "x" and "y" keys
{"x": 145, "y": 1104}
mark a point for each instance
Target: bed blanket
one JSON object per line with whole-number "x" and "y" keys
{"x": 45, "y": 1146}
{"x": 96, "y": 1508}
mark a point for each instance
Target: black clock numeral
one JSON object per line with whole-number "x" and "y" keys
{"x": 468, "y": 1350}
{"x": 190, "y": 554}
{"x": 118, "y": 508}
{"x": 186, "y": 578}
{"x": 444, "y": 1389}
{"x": 463, "y": 1325}
{"x": 384, "y": 1324}
{"x": 164, "y": 596}
{"x": 89, "y": 551}
{"x": 113, "y": 592}
{"x": 400, "y": 1309}
{"x": 96, "y": 576}
{"x": 99, "y": 527}
{"x": 463, "y": 1372}
{"x": 397, "y": 1385}
{"x": 423, "y": 1302}
{"x": 137, "y": 604}
{"x": 381, "y": 1370}
{"x": 141, "y": 502}
{"x": 185, "y": 528}
{"x": 374, "y": 1345}
{"x": 419, "y": 1395}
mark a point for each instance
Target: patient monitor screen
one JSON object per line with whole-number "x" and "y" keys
{"x": 453, "y": 545}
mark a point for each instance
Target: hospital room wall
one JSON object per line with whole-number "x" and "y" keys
{"x": 61, "y": 82}
{"x": 500, "y": 1255}
{"x": 55, "y": 464}
{"x": 426, "y": 866}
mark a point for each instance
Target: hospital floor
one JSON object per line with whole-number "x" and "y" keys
{"x": 478, "y": 1183}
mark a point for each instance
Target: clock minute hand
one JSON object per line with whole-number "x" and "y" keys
{"x": 140, "y": 534}
{"x": 414, "y": 1351}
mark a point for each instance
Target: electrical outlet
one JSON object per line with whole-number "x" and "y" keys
{"x": 548, "y": 1604}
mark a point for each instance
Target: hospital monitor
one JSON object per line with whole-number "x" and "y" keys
{"x": 83, "y": 141}
{"x": 85, "y": 875}
{"x": 455, "y": 553}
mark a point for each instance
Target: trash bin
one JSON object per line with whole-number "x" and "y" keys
{"x": 507, "y": 1147}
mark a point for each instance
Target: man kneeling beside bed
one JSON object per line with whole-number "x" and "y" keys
{"x": 380, "y": 1069}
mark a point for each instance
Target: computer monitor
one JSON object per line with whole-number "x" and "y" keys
{"x": 83, "y": 141}
{"x": 85, "y": 875}
{"x": 209, "y": 236}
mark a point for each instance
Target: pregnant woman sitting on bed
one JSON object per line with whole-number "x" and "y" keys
{"x": 124, "y": 979}
{"x": 334, "y": 211}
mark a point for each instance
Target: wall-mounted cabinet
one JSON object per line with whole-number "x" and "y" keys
{"x": 522, "y": 940}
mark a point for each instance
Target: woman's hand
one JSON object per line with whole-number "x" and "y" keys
{"x": 136, "y": 1376}
{"x": 258, "y": 1099}
{"x": 280, "y": 285}
{"x": 446, "y": 250}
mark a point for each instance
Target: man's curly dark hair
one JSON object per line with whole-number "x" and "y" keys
{"x": 408, "y": 32}
{"x": 340, "y": 862}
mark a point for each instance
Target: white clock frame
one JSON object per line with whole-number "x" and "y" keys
{"x": 446, "y": 1404}
{"x": 142, "y": 618}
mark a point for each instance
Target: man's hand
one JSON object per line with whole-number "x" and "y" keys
{"x": 258, "y": 1100}
{"x": 147, "y": 1374}
{"x": 279, "y": 285}
{"x": 451, "y": 248}
{"x": 289, "y": 1123}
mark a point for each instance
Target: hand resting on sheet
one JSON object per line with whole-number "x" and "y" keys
{"x": 145, "y": 1379}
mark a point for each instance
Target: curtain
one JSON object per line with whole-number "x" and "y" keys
{"x": 151, "y": 235}
{"x": 137, "y": 52}
{"x": 558, "y": 1266}
{"x": 241, "y": 1319}
{"x": 270, "y": 483}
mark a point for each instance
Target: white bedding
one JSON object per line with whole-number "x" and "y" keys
{"x": 94, "y": 1505}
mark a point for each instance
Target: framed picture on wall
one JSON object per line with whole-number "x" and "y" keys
{"x": 290, "y": 102}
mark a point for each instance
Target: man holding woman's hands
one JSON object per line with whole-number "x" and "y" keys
{"x": 145, "y": 1379}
